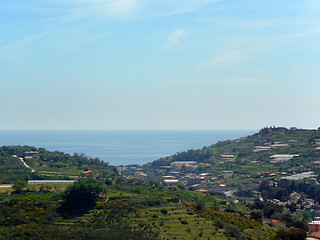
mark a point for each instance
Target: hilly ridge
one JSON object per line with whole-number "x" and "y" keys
{"x": 272, "y": 152}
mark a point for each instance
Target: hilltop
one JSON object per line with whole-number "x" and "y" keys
{"x": 26, "y": 162}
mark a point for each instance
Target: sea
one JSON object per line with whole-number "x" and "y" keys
{"x": 120, "y": 147}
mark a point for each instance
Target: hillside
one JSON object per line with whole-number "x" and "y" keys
{"x": 129, "y": 210}
{"x": 272, "y": 153}
{"x": 152, "y": 201}
{"x": 122, "y": 208}
{"x": 25, "y": 162}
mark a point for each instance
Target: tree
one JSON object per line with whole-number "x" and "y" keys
{"x": 233, "y": 231}
{"x": 256, "y": 215}
{"x": 19, "y": 185}
{"x": 82, "y": 195}
{"x": 292, "y": 234}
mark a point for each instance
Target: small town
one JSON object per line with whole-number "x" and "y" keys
{"x": 232, "y": 181}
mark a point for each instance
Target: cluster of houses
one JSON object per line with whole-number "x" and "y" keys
{"x": 301, "y": 203}
{"x": 200, "y": 181}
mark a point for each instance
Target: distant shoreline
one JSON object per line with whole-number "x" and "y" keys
{"x": 119, "y": 147}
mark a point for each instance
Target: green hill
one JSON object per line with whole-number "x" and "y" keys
{"x": 25, "y": 162}
{"x": 271, "y": 153}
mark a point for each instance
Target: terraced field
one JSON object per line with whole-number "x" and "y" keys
{"x": 175, "y": 221}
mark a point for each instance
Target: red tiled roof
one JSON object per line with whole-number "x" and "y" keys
{"x": 202, "y": 190}
{"x": 316, "y": 234}
{"x": 205, "y": 164}
{"x": 190, "y": 166}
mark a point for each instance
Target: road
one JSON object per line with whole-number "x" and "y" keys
{"x": 24, "y": 163}
{"x": 230, "y": 193}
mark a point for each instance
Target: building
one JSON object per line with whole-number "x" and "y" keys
{"x": 300, "y": 176}
{"x": 171, "y": 181}
{"x": 227, "y": 174}
{"x": 314, "y": 226}
{"x": 178, "y": 164}
{"x": 40, "y": 182}
{"x": 282, "y": 157}
{"x": 30, "y": 153}
{"x": 295, "y": 197}
{"x": 280, "y": 145}
{"x": 203, "y": 191}
{"x": 262, "y": 148}
{"x": 228, "y": 156}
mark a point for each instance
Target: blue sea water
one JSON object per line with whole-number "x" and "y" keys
{"x": 120, "y": 147}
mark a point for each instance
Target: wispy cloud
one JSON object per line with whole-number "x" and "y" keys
{"x": 225, "y": 59}
{"x": 133, "y": 8}
{"x": 25, "y": 40}
{"x": 175, "y": 37}
{"x": 15, "y": 51}
{"x": 110, "y": 8}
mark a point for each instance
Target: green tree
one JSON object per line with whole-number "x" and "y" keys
{"x": 256, "y": 215}
{"x": 292, "y": 234}
{"x": 82, "y": 195}
{"x": 233, "y": 231}
{"x": 19, "y": 185}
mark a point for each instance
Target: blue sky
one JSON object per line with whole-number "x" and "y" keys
{"x": 159, "y": 64}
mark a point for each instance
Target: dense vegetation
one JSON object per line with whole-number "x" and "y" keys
{"x": 285, "y": 187}
{"x": 134, "y": 210}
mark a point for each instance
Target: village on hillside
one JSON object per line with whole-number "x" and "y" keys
{"x": 239, "y": 176}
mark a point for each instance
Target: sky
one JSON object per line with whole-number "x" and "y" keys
{"x": 159, "y": 64}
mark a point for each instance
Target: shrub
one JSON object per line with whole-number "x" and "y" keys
{"x": 164, "y": 211}
{"x": 184, "y": 222}
{"x": 218, "y": 223}
{"x": 233, "y": 231}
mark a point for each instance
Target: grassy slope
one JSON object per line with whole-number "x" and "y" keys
{"x": 172, "y": 220}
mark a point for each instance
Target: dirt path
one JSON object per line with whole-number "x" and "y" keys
{"x": 24, "y": 163}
